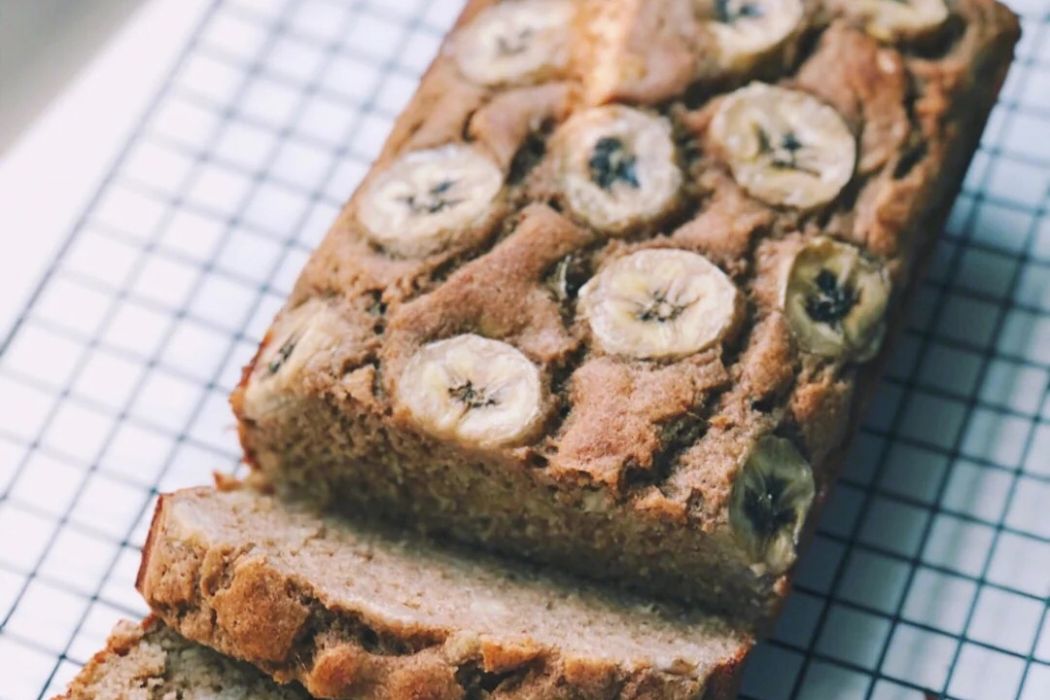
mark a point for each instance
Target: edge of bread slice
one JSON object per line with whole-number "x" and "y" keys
{"x": 354, "y": 611}
{"x": 147, "y": 660}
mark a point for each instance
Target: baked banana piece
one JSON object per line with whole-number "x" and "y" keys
{"x": 617, "y": 167}
{"x": 784, "y": 146}
{"x": 771, "y": 499}
{"x": 473, "y": 389}
{"x": 660, "y": 303}
{"x": 516, "y": 41}
{"x": 891, "y": 20}
{"x": 421, "y": 201}
{"x": 747, "y": 31}
{"x": 835, "y": 299}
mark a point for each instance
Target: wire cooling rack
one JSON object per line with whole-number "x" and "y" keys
{"x": 930, "y": 575}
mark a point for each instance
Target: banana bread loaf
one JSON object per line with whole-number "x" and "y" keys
{"x": 619, "y": 283}
{"x": 148, "y": 661}
{"x": 357, "y": 612}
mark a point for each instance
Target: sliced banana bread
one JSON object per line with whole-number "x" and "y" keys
{"x": 616, "y": 289}
{"x": 355, "y": 612}
{"x": 148, "y": 661}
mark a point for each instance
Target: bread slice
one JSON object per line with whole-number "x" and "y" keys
{"x": 148, "y": 661}
{"x": 356, "y": 612}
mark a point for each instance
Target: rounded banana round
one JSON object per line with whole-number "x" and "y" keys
{"x": 890, "y": 20}
{"x": 515, "y": 42}
{"x": 659, "y": 304}
{"x": 310, "y": 334}
{"x": 783, "y": 146}
{"x": 425, "y": 198}
{"x": 617, "y": 167}
{"x": 747, "y": 30}
{"x": 835, "y": 300}
{"x": 771, "y": 497}
{"x": 472, "y": 389}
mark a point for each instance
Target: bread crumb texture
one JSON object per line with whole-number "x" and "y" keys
{"x": 357, "y": 611}
{"x": 148, "y": 661}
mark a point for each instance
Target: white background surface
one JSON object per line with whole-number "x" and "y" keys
{"x": 931, "y": 571}
{"x": 44, "y": 44}
{"x": 47, "y": 175}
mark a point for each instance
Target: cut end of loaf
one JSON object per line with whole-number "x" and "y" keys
{"x": 352, "y": 609}
{"x": 148, "y": 660}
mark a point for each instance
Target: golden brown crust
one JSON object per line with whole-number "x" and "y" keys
{"x": 147, "y": 661}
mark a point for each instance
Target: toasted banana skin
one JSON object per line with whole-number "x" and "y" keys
{"x": 785, "y": 147}
{"x": 658, "y": 304}
{"x": 835, "y": 300}
{"x": 617, "y": 167}
{"x": 894, "y": 20}
{"x": 516, "y": 42}
{"x": 474, "y": 390}
{"x": 423, "y": 200}
{"x": 746, "y": 31}
{"x": 771, "y": 498}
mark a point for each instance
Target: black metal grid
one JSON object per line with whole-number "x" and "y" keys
{"x": 930, "y": 574}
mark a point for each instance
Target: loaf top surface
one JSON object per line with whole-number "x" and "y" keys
{"x": 413, "y": 590}
{"x": 150, "y": 662}
{"x": 641, "y": 246}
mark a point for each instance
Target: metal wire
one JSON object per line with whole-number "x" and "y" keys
{"x": 933, "y": 559}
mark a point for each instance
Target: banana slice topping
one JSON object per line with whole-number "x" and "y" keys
{"x": 516, "y": 41}
{"x": 617, "y": 166}
{"x": 425, "y": 198}
{"x": 835, "y": 300}
{"x": 747, "y": 30}
{"x": 783, "y": 146}
{"x": 310, "y": 334}
{"x": 472, "y": 389}
{"x": 659, "y": 304}
{"x": 890, "y": 20}
{"x": 769, "y": 503}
